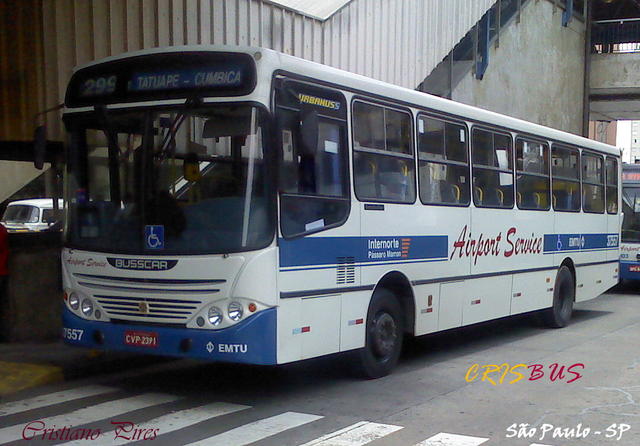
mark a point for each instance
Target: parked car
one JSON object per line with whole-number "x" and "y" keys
{"x": 32, "y": 215}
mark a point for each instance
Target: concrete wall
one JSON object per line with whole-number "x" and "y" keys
{"x": 536, "y": 74}
{"x": 615, "y": 86}
{"x": 32, "y": 308}
{"x": 615, "y": 71}
{"x": 14, "y": 175}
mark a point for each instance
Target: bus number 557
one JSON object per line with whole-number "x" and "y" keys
{"x": 72, "y": 334}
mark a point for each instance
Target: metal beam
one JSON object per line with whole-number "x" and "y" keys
{"x": 614, "y": 97}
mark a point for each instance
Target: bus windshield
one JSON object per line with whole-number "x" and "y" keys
{"x": 631, "y": 206}
{"x": 172, "y": 181}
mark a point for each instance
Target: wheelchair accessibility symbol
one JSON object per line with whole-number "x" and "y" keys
{"x": 154, "y": 236}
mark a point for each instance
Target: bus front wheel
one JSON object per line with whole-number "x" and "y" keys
{"x": 383, "y": 338}
{"x": 559, "y": 314}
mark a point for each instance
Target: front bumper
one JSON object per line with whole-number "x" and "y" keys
{"x": 252, "y": 341}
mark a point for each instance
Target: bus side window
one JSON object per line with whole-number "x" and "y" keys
{"x": 592, "y": 183}
{"x": 612, "y": 185}
{"x": 383, "y": 154}
{"x": 492, "y": 169}
{"x": 565, "y": 172}
{"x": 532, "y": 175}
{"x": 443, "y": 165}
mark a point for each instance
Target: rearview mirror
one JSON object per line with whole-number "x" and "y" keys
{"x": 227, "y": 126}
{"x": 39, "y": 146}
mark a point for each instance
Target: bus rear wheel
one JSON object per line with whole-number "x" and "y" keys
{"x": 559, "y": 314}
{"x": 383, "y": 338}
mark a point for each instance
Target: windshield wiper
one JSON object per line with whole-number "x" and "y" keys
{"x": 169, "y": 141}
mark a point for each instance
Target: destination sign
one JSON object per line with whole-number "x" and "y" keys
{"x": 212, "y": 77}
{"x": 162, "y": 76}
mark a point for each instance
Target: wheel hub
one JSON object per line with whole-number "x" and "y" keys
{"x": 384, "y": 334}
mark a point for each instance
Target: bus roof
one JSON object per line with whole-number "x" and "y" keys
{"x": 272, "y": 61}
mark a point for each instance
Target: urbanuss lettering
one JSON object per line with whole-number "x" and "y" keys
{"x": 142, "y": 264}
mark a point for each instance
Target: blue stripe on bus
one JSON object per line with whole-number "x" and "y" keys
{"x": 313, "y": 251}
{"x": 363, "y": 264}
{"x": 579, "y": 242}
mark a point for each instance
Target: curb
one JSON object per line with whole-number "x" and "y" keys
{"x": 16, "y": 376}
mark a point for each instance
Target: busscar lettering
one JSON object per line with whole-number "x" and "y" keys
{"x": 141, "y": 264}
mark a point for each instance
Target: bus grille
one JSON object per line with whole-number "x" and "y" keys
{"x": 151, "y": 300}
{"x": 171, "y": 310}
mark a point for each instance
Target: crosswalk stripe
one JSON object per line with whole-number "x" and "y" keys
{"x": 52, "y": 398}
{"x": 444, "y": 439}
{"x": 166, "y": 423}
{"x": 355, "y": 435}
{"x": 87, "y": 415}
{"x": 258, "y": 430}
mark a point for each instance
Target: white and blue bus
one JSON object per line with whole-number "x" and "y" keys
{"x": 242, "y": 205}
{"x": 630, "y": 247}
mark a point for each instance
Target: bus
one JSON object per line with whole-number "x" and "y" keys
{"x": 630, "y": 247}
{"x": 242, "y": 205}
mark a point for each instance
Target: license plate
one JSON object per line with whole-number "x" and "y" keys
{"x": 141, "y": 338}
{"x": 634, "y": 269}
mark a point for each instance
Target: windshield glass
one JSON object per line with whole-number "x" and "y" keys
{"x": 20, "y": 214}
{"x": 169, "y": 181}
{"x": 631, "y": 208}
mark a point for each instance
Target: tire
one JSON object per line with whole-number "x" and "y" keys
{"x": 564, "y": 292}
{"x": 383, "y": 338}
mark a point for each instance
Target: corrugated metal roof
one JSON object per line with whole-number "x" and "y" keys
{"x": 318, "y": 9}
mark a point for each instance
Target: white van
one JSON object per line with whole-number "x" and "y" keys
{"x": 29, "y": 215}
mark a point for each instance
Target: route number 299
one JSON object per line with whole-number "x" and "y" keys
{"x": 72, "y": 334}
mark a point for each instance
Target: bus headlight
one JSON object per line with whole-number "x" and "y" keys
{"x": 87, "y": 307}
{"x": 214, "y": 316}
{"x": 235, "y": 311}
{"x": 74, "y": 301}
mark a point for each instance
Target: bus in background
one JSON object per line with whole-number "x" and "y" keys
{"x": 242, "y": 205}
{"x": 630, "y": 247}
